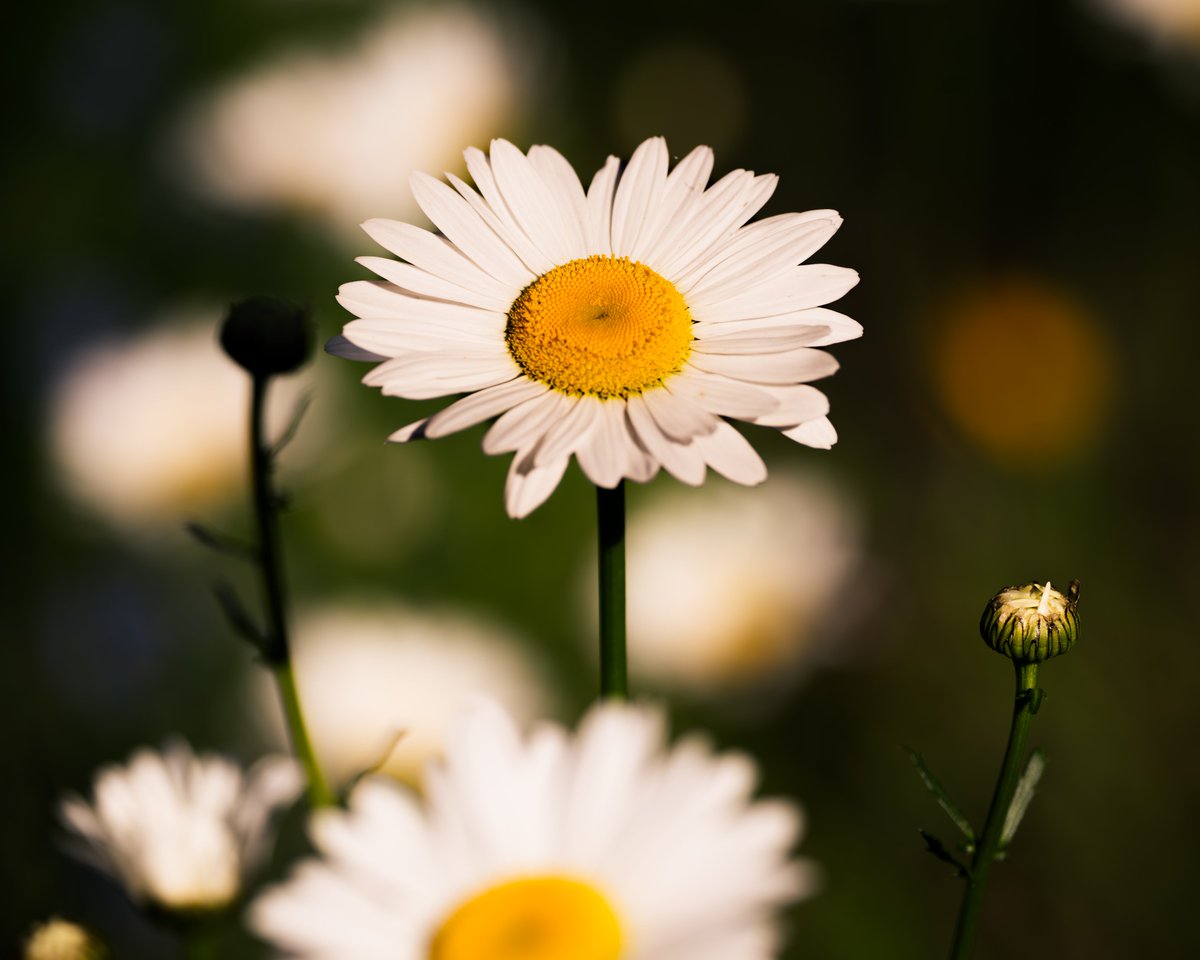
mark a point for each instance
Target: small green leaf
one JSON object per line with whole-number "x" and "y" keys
{"x": 241, "y": 621}
{"x": 221, "y": 542}
{"x": 943, "y": 798}
{"x": 1026, "y": 787}
{"x": 290, "y": 432}
{"x": 938, "y": 849}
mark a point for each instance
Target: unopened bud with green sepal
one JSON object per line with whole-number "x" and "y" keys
{"x": 1031, "y": 622}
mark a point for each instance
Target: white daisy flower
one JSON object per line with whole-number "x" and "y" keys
{"x": 180, "y": 831}
{"x": 731, "y": 592}
{"x": 621, "y": 325}
{"x": 410, "y": 673}
{"x": 152, "y": 427}
{"x": 600, "y": 846}
{"x": 336, "y": 132}
{"x": 59, "y": 939}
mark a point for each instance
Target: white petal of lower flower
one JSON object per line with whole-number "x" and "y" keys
{"x": 608, "y": 837}
{"x": 612, "y": 301}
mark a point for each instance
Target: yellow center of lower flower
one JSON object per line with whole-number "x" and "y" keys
{"x": 605, "y": 326}
{"x": 534, "y": 918}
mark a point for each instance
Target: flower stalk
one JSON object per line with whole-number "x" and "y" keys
{"x": 1026, "y": 703}
{"x": 276, "y": 648}
{"x": 610, "y": 516}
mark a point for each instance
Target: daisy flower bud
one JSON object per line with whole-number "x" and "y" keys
{"x": 180, "y": 832}
{"x": 1031, "y": 622}
{"x": 265, "y": 336}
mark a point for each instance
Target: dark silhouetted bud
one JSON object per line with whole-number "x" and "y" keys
{"x": 266, "y": 336}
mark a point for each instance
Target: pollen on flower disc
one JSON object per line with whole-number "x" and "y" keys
{"x": 531, "y": 918}
{"x": 604, "y": 326}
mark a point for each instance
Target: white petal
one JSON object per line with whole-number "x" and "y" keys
{"x": 642, "y": 181}
{"x": 499, "y": 218}
{"x": 569, "y": 432}
{"x": 425, "y": 284}
{"x": 533, "y": 205}
{"x": 423, "y": 375}
{"x": 730, "y": 454}
{"x": 799, "y": 288}
{"x": 721, "y": 395}
{"x": 678, "y": 418}
{"x": 394, "y": 336}
{"x": 792, "y": 366}
{"x": 525, "y": 492}
{"x": 741, "y": 337}
{"x": 435, "y": 254}
{"x": 524, "y": 425}
{"x": 599, "y": 207}
{"x": 841, "y": 327}
{"x": 413, "y": 431}
{"x": 758, "y": 252}
{"x": 339, "y": 346}
{"x": 685, "y": 184}
{"x": 817, "y": 433}
{"x": 481, "y": 405}
{"x": 402, "y": 306}
{"x": 796, "y": 405}
{"x": 563, "y": 181}
{"x": 464, "y": 227}
{"x": 606, "y": 455}
{"x": 682, "y": 460}
{"x": 714, "y": 218}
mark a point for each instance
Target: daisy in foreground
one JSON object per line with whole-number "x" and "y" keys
{"x": 621, "y": 324}
{"x": 181, "y": 833}
{"x": 602, "y": 846}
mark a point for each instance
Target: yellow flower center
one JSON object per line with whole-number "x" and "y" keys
{"x": 534, "y": 918}
{"x": 605, "y": 326}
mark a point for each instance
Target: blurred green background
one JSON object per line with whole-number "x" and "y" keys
{"x": 1020, "y": 192}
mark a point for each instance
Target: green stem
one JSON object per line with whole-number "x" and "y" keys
{"x": 610, "y": 516}
{"x": 199, "y": 942}
{"x": 1024, "y": 707}
{"x": 277, "y": 649}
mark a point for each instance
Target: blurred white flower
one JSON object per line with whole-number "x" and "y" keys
{"x": 381, "y": 684}
{"x": 152, "y": 430}
{"x": 729, "y": 587}
{"x": 339, "y": 133}
{"x": 606, "y": 844}
{"x": 58, "y": 939}
{"x": 179, "y": 831}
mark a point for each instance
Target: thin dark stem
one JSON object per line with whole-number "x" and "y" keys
{"x": 276, "y": 649}
{"x": 1024, "y": 706}
{"x": 610, "y": 515}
